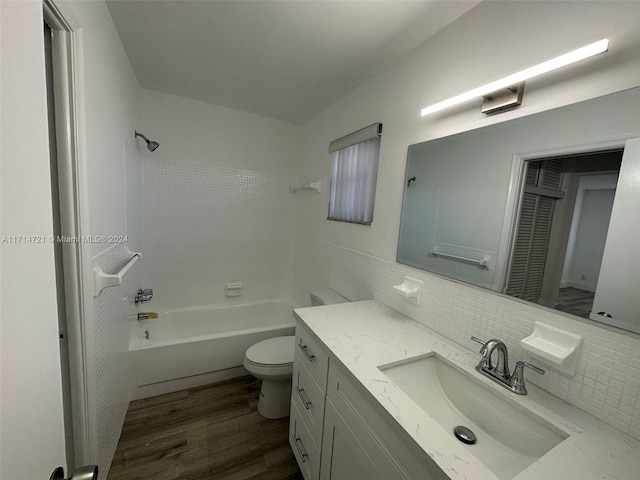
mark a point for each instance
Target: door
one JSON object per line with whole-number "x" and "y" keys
{"x": 616, "y": 301}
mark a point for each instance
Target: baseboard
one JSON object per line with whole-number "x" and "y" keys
{"x": 189, "y": 382}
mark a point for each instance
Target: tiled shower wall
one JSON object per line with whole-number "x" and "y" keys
{"x": 114, "y": 311}
{"x": 205, "y": 225}
{"x": 607, "y": 382}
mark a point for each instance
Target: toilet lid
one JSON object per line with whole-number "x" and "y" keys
{"x": 273, "y": 351}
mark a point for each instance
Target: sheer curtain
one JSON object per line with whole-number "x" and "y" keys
{"x": 354, "y": 172}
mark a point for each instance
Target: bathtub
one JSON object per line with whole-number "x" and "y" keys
{"x": 187, "y": 347}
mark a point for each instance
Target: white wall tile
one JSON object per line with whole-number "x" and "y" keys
{"x": 606, "y": 384}
{"x": 114, "y": 311}
{"x": 207, "y": 225}
{"x": 216, "y": 204}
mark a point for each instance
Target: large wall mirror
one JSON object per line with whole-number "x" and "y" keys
{"x": 545, "y": 208}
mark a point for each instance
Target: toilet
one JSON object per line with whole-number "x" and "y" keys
{"x": 271, "y": 361}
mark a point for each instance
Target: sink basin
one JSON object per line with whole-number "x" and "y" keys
{"x": 508, "y": 437}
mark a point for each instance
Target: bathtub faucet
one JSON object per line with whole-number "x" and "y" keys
{"x": 147, "y": 315}
{"x": 144, "y": 296}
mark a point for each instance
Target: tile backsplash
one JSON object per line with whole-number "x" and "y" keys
{"x": 607, "y": 382}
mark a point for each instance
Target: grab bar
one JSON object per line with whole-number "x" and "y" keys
{"x": 103, "y": 280}
{"x": 483, "y": 262}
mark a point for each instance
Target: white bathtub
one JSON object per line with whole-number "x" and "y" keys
{"x": 196, "y": 343}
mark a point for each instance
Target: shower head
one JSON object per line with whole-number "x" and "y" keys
{"x": 151, "y": 145}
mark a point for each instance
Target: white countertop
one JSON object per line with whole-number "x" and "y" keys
{"x": 363, "y": 335}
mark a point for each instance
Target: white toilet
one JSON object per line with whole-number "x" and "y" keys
{"x": 272, "y": 362}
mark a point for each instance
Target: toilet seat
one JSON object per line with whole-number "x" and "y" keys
{"x": 272, "y": 353}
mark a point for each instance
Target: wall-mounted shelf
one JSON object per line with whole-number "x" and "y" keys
{"x": 305, "y": 186}
{"x": 557, "y": 348}
{"x": 103, "y": 280}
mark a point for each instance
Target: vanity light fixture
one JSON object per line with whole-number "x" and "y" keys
{"x": 507, "y": 91}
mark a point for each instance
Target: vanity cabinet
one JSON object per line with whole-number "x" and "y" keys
{"x": 335, "y": 431}
{"x": 308, "y": 396}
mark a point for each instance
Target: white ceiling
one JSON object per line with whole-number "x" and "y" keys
{"x": 281, "y": 59}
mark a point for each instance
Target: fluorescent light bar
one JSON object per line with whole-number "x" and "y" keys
{"x": 563, "y": 60}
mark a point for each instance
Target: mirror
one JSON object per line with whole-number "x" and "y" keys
{"x": 540, "y": 208}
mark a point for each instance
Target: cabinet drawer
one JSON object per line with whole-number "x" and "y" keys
{"x": 312, "y": 356}
{"x": 305, "y": 450}
{"x": 309, "y": 399}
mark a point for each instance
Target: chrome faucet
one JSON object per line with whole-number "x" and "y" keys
{"x": 144, "y": 296}
{"x": 500, "y": 372}
{"x": 501, "y": 369}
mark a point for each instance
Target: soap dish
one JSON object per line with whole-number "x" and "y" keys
{"x": 410, "y": 289}
{"x": 558, "y": 348}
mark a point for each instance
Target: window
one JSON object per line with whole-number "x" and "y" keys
{"x": 354, "y": 172}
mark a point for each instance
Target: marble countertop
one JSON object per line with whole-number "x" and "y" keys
{"x": 363, "y": 335}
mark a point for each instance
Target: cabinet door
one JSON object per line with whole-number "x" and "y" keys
{"x": 346, "y": 456}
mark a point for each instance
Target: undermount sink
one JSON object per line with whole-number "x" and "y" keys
{"x": 508, "y": 437}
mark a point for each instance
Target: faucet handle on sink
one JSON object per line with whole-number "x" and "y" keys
{"x": 517, "y": 379}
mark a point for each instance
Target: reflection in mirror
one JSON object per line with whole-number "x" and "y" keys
{"x": 533, "y": 208}
{"x": 561, "y": 230}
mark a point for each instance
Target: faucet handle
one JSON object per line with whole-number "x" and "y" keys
{"x": 532, "y": 367}
{"x": 517, "y": 379}
{"x": 477, "y": 340}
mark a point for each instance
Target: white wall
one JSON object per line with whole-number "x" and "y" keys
{"x": 591, "y": 235}
{"x": 216, "y": 202}
{"x": 31, "y": 428}
{"x": 493, "y": 39}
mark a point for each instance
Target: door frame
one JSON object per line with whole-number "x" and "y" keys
{"x": 73, "y": 199}
{"x": 516, "y": 191}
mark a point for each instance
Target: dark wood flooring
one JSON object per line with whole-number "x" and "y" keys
{"x": 210, "y": 432}
{"x": 576, "y": 301}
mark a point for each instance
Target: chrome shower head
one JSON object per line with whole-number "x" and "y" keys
{"x": 151, "y": 145}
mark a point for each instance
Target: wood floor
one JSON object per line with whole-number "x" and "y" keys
{"x": 210, "y": 432}
{"x": 576, "y": 301}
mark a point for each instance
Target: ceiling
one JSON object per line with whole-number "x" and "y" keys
{"x": 281, "y": 59}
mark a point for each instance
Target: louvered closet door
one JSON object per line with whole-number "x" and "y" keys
{"x": 542, "y": 188}
{"x": 530, "y": 249}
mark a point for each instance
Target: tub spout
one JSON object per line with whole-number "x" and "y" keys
{"x": 147, "y": 315}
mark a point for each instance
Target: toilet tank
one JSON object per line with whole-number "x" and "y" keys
{"x": 326, "y": 296}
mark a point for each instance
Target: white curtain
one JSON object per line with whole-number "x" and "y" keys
{"x": 354, "y": 171}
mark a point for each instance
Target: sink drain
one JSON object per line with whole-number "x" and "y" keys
{"x": 465, "y": 435}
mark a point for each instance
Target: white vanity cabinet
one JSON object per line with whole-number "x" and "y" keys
{"x": 335, "y": 431}
{"x": 308, "y": 395}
